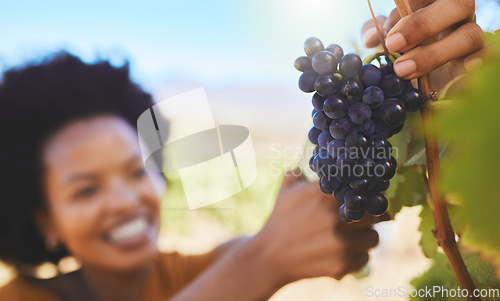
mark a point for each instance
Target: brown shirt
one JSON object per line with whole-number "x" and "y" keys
{"x": 172, "y": 272}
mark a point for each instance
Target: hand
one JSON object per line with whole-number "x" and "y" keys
{"x": 304, "y": 236}
{"x": 446, "y": 31}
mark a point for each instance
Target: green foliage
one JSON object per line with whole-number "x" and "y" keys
{"x": 427, "y": 241}
{"x": 472, "y": 127}
{"x": 468, "y": 128}
{"x": 441, "y": 274}
{"x": 408, "y": 189}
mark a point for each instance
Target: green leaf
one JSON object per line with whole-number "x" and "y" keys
{"x": 489, "y": 37}
{"x": 428, "y": 242}
{"x": 407, "y": 189}
{"x": 472, "y": 126}
{"x": 400, "y": 143}
{"x": 441, "y": 274}
{"x": 373, "y": 56}
{"x": 457, "y": 218}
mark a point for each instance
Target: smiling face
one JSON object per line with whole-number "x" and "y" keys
{"x": 102, "y": 204}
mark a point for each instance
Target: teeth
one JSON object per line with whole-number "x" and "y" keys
{"x": 128, "y": 230}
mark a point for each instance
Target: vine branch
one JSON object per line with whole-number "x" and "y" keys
{"x": 444, "y": 231}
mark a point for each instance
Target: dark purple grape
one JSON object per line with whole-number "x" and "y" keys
{"x": 340, "y": 193}
{"x": 392, "y": 112}
{"x": 311, "y": 163}
{"x": 392, "y": 85}
{"x": 324, "y": 138}
{"x": 336, "y": 148}
{"x": 345, "y": 161}
{"x": 375, "y": 115}
{"x": 307, "y": 80}
{"x": 387, "y": 69}
{"x": 350, "y": 65}
{"x": 303, "y": 63}
{"x": 313, "y": 112}
{"x": 316, "y": 150}
{"x": 336, "y": 50}
{"x": 359, "y": 113}
{"x": 345, "y": 166}
{"x": 367, "y": 128}
{"x": 381, "y": 148}
{"x": 381, "y": 186}
{"x": 395, "y": 130}
{"x": 314, "y": 134}
{"x": 413, "y": 99}
{"x": 367, "y": 165}
{"x": 317, "y": 101}
{"x": 312, "y": 46}
{"x": 384, "y": 170}
{"x": 340, "y": 128}
{"x": 392, "y": 160}
{"x": 376, "y": 203}
{"x": 354, "y": 216}
{"x": 324, "y": 62}
{"x": 329, "y": 184}
{"x": 373, "y": 96}
{"x": 382, "y": 129}
{"x": 355, "y": 201}
{"x": 357, "y": 144}
{"x": 361, "y": 185}
{"x": 370, "y": 75}
{"x": 326, "y": 85}
{"x": 351, "y": 89}
{"x": 343, "y": 216}
{"x": 321, "y": 121}
{"x": 323, "y": 164}
{"x": 335, "y": 107}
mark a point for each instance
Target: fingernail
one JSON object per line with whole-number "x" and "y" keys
{"x": 395, "y": 42}
{"x": 368, "y": 37}
{"x": 473, "y": 64}
{"x": 405, "y": 68}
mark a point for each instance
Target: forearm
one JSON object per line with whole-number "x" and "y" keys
{"x": 224, "y": 248}
{"x": 242, "y": 273}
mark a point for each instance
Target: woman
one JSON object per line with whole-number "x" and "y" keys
{"x": 73, "y": 183}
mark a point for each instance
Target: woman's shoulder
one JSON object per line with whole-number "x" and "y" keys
{"x": 22, "y": 289}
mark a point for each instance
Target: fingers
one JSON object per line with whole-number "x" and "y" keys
{"x": 393, "y": 18}
{"x": 428, "y": 22}
{"x": 466, "y": 39}
{"x": 291, "y": 177}
{"x": 369, "y": 34}
{"x": 475, "y": 59}
{"x": 352, "y": 263}
{"x": 357, "y": 261}
{"x": 360, "y": 240}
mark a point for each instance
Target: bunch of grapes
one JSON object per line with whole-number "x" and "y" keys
{"x": 356, "y": 109}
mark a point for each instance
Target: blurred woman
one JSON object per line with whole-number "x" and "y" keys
{"x": 72, "y": 183}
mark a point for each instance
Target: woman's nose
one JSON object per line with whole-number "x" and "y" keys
{"x": 123, "y": 197}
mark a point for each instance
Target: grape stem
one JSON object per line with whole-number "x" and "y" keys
{"x": 443, "y": 230}
{"x": 380, "y": 35}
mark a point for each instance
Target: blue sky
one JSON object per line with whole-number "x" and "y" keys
{"x": 211, "y": 42}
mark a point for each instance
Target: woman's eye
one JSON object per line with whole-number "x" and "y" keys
{"x": 86, "y": 192}
{"x": 139, "y": 173}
